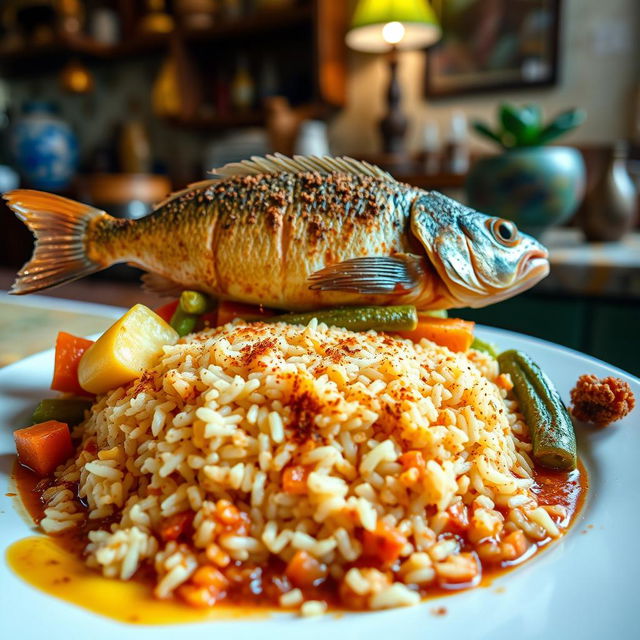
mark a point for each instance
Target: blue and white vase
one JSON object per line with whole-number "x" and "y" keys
{"x": 45, "y": 147}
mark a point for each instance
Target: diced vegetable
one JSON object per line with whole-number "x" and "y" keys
{"x": 485, "y": 347}
{"x": 434, "y": 313}
{"x": 384, "y": 544}
{"x": 552, "y": 435}
{"x": 166, "y": 311}
{"x": 42, "y": 447}
{"x": 69, "y": 351}
{"x": 67, "y": 410}
{"x": 207, "y": 584}
{"x": 228, "y": 311}
{"x": 454, "y": 333}
{"x": 125, "y": 350}
{"x": 294, "y": 479}
{"x": 304, "y": 570}
{"x": 184, "y": 323}
{"x": 412, "y": 460}
{"x": 458, "y": 517}
{"x": 195, "y": 302}
{"x": 188, "y": 310}
{"x": 400, "y": 318}
{"x": 176, "y": 525}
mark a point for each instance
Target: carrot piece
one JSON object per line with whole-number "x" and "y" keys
{"x": 174, "y": 526}
{"x": 454, "y": 333}
{"x": 384, "y": 544}
{"x": 294, "y": 479}
{"x": 304, "y": 570}
{"x": 504, "y": 381}
{"x": 42, "y": 447}
{"x": 458, "y": 518}
{"x": 412, "y": 460}
{"x": 229, "y": 311}
{"x": 69, "y": 350}
{"x": 166, "y": 311}
{"x": 514, "y": 545}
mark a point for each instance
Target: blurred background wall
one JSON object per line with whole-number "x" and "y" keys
{"x": 599, "y": 71}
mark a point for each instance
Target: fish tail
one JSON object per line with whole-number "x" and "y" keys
{"x": 61, "y": 228}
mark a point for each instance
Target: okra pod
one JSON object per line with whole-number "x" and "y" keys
{"x": 485, "y": 347}
{"x": 183, "y": 322}
{"x": 552, "y": 436}
{"x": 67, "y": 410}
{"x": 398, "y": 318}
{"x": 195, "y": 302}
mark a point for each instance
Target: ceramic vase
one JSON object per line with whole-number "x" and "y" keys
{"x": 45, "y": 147}
{"x": 536, "y": 187}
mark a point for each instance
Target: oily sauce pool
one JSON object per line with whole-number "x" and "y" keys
{"x": 55, "y": 565}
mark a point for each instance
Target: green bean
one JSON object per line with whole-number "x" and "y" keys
{"x": 552, "y": 436}
{"x": 67, "y": 410}
{"x": 435, "y": 313}
{"x": 486, "y": 347}
{"x": 195, "y": 302}
{"x": 184, "y": 323}
{"x": 399, "y": 318}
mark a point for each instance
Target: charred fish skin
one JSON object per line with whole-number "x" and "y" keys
{"x": 289, "y": 226}
{"x": 280, "y": 228}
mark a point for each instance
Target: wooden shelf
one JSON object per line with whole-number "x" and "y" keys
{"x": 262, "y": 22}
{"x": 85, "y": 46}
{"x": 305, "y": 41}
{"x": 253, "y": 24}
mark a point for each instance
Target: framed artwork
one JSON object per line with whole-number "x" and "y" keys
{"x": 490, "y": 45}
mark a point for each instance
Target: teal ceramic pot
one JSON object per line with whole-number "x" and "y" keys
{"x": 536, "y": 187}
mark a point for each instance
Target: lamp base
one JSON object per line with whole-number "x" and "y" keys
{"x": 394, "y": 125}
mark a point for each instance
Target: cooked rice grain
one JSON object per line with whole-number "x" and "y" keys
{"x": 224, "y": 412}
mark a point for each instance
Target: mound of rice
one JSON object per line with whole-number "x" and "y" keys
{"x": 385, "y": 436}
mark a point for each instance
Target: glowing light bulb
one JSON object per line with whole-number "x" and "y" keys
{"x": 393, "y": 32}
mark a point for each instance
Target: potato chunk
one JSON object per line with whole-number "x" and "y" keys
{"x": 125, "y": 350}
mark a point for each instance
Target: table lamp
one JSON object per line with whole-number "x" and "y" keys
{"x": 387, "y": 26}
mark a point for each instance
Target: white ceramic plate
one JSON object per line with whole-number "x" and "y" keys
{"x": 585, "y": 586}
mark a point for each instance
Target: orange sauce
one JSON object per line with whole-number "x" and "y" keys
{"x": 54, "y": 565}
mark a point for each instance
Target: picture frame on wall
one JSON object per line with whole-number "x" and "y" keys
{"x": 491, "y": 45}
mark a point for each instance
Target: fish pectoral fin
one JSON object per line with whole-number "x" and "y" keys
{"x": 371, "y": 275}
{"x": 155, "y": 283}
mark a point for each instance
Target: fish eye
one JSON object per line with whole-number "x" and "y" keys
{"x": 504, "y": 231}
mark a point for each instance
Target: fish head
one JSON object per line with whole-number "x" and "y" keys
{"x": 480, "y": 259}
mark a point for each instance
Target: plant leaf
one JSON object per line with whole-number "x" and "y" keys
{"x": 487, "y": 132}
{"x": 523, "y": 124}
{"x": 562, "y": 124}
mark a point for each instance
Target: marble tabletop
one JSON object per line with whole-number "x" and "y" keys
{"x": 31, "y": 324}
{"x": 601, "y": 269}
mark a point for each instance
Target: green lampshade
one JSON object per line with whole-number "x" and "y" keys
{"x": 377, "y": 25}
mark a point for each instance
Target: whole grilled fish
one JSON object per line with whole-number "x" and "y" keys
{"x": 292, "y": 233}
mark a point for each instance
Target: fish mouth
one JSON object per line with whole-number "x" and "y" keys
{"x": 534, "y": 264}
{"x": 533, "y": 267}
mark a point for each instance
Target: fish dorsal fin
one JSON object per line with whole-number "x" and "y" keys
{"x": 279, "y": 163}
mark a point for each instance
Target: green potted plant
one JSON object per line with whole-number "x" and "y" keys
{"x": 534, "y": 185}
